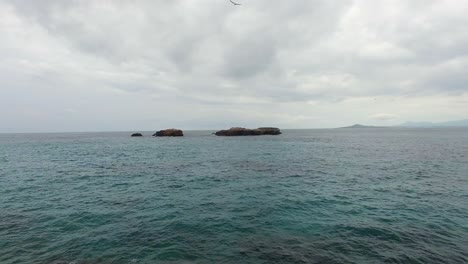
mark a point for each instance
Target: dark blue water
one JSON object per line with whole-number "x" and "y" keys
{"x": 307, "y": 196}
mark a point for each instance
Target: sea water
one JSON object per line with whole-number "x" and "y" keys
{"x": 307, "y": 196}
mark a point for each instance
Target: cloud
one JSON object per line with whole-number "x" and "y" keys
{"x": 142, "y": 57}
{"x": 384, "y": 116}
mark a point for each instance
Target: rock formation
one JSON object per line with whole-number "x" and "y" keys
{"x": 169, "y": 133}
{"x": 137, "y": 135}
{"x": 270, "y": 130}
{"x": 240, "y": 131}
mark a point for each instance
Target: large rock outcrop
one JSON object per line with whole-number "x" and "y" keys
{"x": 169, "y": 133}
{"x": 240, "y": 131}
{"x": 137, "y": 135}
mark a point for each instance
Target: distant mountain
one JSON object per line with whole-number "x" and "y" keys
{"x": 417, "y": 124}
{"x": 361, "y": 126}
{"x": 457, "y": 123}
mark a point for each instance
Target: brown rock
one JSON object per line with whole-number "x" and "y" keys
{"x": 240, "y": 131}
{"x": 270, "y": 130}
{"x": 169, "y": 133}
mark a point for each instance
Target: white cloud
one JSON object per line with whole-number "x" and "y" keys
{"x": 384, "y": 116}
{"x": 299, "y": 63}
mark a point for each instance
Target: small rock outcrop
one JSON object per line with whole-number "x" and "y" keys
{"x": 270, "y": 130}
{"x": 169, "y": 133}
{"x": 137, "y": 135}
{"x": 240, "y": 131}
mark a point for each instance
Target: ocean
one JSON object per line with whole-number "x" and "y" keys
{"x": 395, "y": 195}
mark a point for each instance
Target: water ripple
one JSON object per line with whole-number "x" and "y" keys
{"x": 316, "y": 196}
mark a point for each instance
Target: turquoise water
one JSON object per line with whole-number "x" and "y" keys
{"x": 307, "y": 196}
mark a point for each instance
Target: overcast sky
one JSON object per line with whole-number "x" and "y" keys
{"x": 195, "y": 64}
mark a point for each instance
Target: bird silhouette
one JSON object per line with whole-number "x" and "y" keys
{"x": 234, "y": 3}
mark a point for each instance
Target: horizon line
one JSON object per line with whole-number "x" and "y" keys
{"x": 152, "y": 131}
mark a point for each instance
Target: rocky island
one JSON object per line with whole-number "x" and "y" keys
{"x": 137, "y": 135}
{"x": 240, "y": 131}
{"x": 169, "y": 133}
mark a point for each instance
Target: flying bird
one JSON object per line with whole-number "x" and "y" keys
{"x": 234, "y": 3}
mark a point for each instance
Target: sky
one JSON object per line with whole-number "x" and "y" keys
{"x": 147, "y": 65}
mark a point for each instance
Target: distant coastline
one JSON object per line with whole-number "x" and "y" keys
{"x": 362, "y": 126}
{"x": 463, "y": 123}
{"x": 453, "y": 124}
